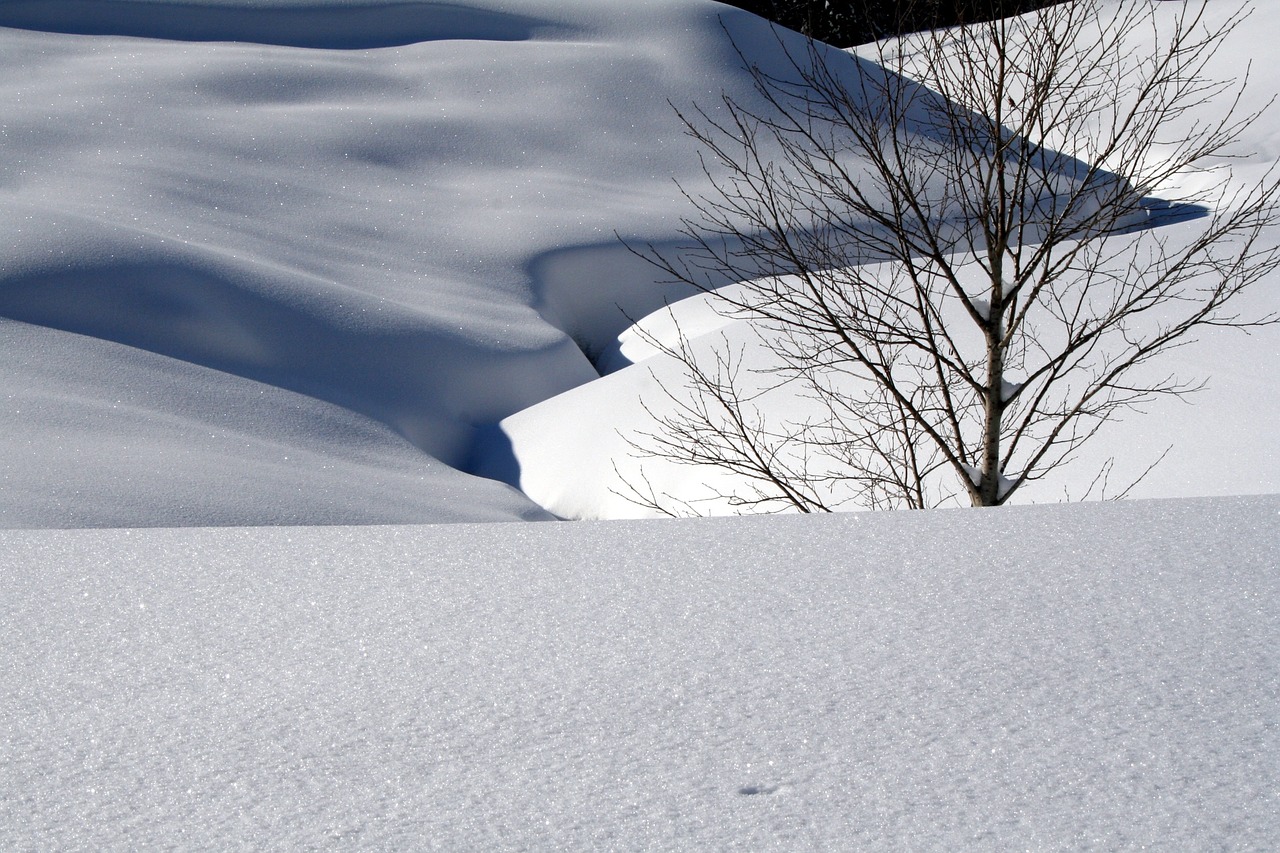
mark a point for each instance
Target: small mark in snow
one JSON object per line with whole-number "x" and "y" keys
{"x": 753, "y": 790}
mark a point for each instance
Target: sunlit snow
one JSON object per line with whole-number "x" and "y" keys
{"x": 578, "y": 451}
{"x": 1094, "y": 676}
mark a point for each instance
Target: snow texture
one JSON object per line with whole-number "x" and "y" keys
{"x": 310, "y": 262}
{"x": 1087, "y": 677}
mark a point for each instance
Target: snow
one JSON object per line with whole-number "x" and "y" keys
{"x": 314, "y": 264}
{"x": 1092, "y": 676}
{"x": 170, "y": 442}
{"x": 409, "y": 212}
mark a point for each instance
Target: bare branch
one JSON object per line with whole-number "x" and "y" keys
{"x": 949, "y": 247}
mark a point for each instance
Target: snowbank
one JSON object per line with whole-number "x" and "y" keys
{"x": 406, "y": 210}
{"x": 175, "y": 444}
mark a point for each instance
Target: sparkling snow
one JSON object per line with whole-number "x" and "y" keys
{"x": 1094, "y": 676}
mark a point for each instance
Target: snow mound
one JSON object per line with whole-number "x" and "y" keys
{"x": 87, "y": 416}
{"x": 356, "y": 226}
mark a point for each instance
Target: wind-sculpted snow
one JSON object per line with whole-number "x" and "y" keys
{"x": 1089, "y": 677}
{"x": 411, "y": 372}
{"x": 175, "y": 444}
{"x": 582, "y": 453}
{"x": 352, "y": 225}
{"x": 404, "y": 232}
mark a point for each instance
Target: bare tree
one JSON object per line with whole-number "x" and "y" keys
{"x": 949, "y": 245}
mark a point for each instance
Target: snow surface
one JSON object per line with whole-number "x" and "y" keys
{"x": 173, "y": 443}
{"x": 292, "y": 261}
{"x": 1087, "y": 677}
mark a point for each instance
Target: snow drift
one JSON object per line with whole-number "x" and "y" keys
{"x": 354, "y": 225}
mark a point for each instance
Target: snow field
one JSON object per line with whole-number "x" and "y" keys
{"x": 298, "y": 277}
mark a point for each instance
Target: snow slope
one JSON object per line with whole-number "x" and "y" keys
{"x": 1093, "y": 676}
{"x": 101, "y": 434}
{"x": 372, "y": 204}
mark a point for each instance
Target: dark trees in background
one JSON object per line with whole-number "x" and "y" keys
{"x": 849, "y": 22}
